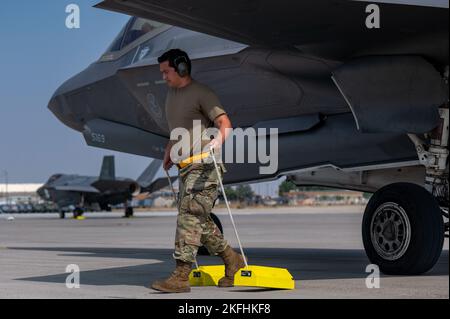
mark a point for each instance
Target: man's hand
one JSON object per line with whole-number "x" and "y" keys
{"x": 167, "y": 162}
{"x": 215, "y": 144}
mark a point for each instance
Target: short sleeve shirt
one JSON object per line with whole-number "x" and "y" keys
{"x": 194, "y": 108}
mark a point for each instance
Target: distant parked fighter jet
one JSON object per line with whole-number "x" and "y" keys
{"x": 85, "y": 192}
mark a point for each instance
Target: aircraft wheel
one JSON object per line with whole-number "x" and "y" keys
{"x": 403, "y": 230}
{"x": 62, "y": 215}
{"x": 129, "y": 212}
{"x": 78, "y": 212}
{"x": 202, "y": 250}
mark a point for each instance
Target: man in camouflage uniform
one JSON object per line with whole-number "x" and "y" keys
{"x": 189, "y": 102}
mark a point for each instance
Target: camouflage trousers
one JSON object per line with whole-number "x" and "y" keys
{"x": 195, "y": 227}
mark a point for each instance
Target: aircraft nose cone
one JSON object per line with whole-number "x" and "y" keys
{"x": 54, "y": 106}
{"x": 57, "y": 108}
{"x": 41, "y": 192}
{"x": 60, "y": 107}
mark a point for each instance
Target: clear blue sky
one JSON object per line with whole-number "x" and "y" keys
{"x": 37, "y": 54}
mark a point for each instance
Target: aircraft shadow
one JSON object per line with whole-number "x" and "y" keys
{"x": 303, "y": 264}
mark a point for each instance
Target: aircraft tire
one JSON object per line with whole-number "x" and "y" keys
{"x": 78, "y": 212}
{"x": 403, "y": 229}
{"x": 129, "y": 212}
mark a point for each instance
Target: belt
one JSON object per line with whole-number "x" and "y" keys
{"x": 194, "y": 158}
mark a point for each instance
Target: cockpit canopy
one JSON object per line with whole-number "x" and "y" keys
{"x": 133, "y": 30}
{"x": 53, "y": 178}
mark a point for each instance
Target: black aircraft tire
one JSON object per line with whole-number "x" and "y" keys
{"x": 129, "y": 212}
{"x": 62, "y": 215}
{"x": 403, "y": 230}
{"x": 202, "y": 250}
{"x": 78, "y": 212}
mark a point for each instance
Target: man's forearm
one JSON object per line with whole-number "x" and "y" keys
{"x": 225, "y": 128}
{"x": 224, "y": 133}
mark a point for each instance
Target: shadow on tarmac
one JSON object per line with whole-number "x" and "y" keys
{"x": 303, "y": 264}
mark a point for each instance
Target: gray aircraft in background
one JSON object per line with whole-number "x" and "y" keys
{"x": 100, "y": 192}
{"x": 356, "y": 106}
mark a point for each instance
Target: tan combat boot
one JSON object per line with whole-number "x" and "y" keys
{"x": 233, "y": 262}
{"x": 178, "y": 281}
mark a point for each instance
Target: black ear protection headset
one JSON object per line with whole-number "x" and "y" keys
{"x": 181, "y": 66}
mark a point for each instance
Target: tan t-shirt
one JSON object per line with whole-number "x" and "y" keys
{"x": 194, "y": 102}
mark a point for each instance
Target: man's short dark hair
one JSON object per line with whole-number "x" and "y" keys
{"x": 172, "y": 55}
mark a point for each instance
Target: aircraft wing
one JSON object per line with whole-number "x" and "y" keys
{"x": 77, "y": 188}
{"x": 159, "y": 183}
{"x": 292, "y": 23}
{"x": 117, "y": 186}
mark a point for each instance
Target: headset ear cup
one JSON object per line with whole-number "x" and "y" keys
{"x": 182, "y": 66}
{"x": 182, "y": 69}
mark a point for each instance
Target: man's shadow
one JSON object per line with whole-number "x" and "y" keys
{"x": 303, "y": 264}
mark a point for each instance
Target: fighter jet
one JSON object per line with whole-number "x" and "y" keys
{"x": 358, "y": 92}
{"x": 87, "y": 192}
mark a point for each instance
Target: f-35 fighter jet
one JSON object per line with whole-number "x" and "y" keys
{"x": 88, "y": 192}
{"x": 357, "y": 104}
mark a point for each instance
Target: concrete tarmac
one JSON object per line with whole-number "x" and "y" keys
{"x": 119, "y": 258}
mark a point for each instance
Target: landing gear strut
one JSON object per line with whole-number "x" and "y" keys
{"x": 434, "y": 156}
{"x": 403, "y": 226}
